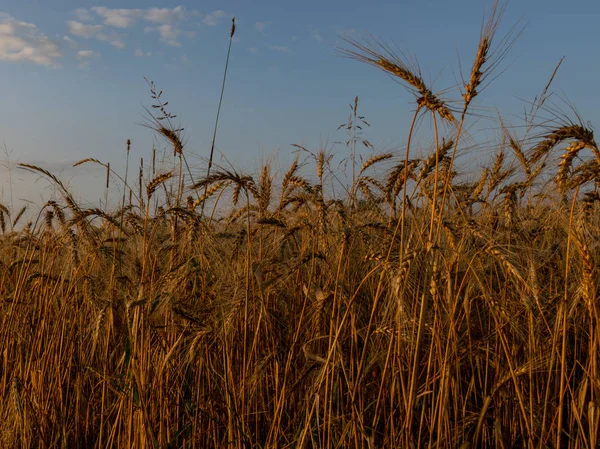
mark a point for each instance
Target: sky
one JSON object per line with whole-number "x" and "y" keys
{"x": 72, "y": 76}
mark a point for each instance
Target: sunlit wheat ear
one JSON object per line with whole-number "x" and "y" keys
{"x": 217, "y": 186}
{"x": 438, "y": 155}
{"x": 480, "y": 185}
{"x": 58, "y": 212}
{"x": 487, "y": 57}
{"x": 97, "y": 327}
{"x": 320, "y": 165}
{"x": 154, "y": 183}
{"x": 48, "y": 218}
{"x": 588, "y": 268}
{"x": 135, "y": 221}
{"x": 587, "y": 172}
{"x": 374, "y": 160}
{"x": 589, "y": 201}
{"x": 374, "y": 182}
{"x": 373, "y": 52}
{"x": 291, "y": 172}
{"x": 302, "y": 183}
{"x": 566, "y": 162}
{"x": 498, "y": 173}
{"x": 265, "y": 188}
{"x": 517, "y": 148}
{"x": 173, "y": 137}
{"x": 554, "y": 137}
{"x": 395, "y": 178}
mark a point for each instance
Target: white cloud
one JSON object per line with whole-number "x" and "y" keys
{"x": 260, "y": 26}
{"x": 86, "y": 54}
{"x": 97, "y": 32}
{"x": 83, "y": 30}
{"x": 279, "y": 48}
{"x": 126, "y": 18}
{"x": 118, "y": 18}
{"x": 71, "y": 42}
{"x": 253, "y": 50}
{"x": 214, "y": 18}
{"x": 116, "y": 40}
{"x": 185, "y": 59}
{"x": 83, "y": 15}
{"x": 22, "y": 41}
{"x": 165, "y": 21}
{"x": 164, "y": 15}
{"x": 169, "y": 34}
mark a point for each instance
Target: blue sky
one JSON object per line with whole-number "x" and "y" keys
{"x": 72, "y": 73}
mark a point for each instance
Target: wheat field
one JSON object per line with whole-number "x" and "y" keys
{"x": 417, "y": 307}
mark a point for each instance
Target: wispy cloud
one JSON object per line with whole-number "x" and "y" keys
{"x": 314, "y": 33}
{"x": 261, "y": 26}
{"x": 70, "y": 42}
{"x": 83, "y": 30}
{"x": 126, "y": 18}
{"x": 279, "y": 48}
{"x": 114, "y": 39}
{"x": 169, "y": 34}
{"x": 83, "y": 15}
{"x": 23, "y": 42}
{"x": 214, "y": 18}
{"x": 165, "y": 15}
{"x": 118, "y": 18}
{"x": 86, "y": 54}
{"x": 96, "y": 31}
{"x": 85, "y": 57}
{"x": 253, "y": 50}
{"x": 165, "y": 21}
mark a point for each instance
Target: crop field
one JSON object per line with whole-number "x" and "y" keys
{"x": 409, "y": 305}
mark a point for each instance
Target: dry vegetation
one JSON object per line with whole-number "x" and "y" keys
{"x": 417, "y": 310}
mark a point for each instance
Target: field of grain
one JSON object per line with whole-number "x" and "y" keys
{"x": 416, "y": 308}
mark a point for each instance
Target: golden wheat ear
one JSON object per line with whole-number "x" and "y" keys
{"x": 378, "y": 54}
{"x": 489, "y": 55}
